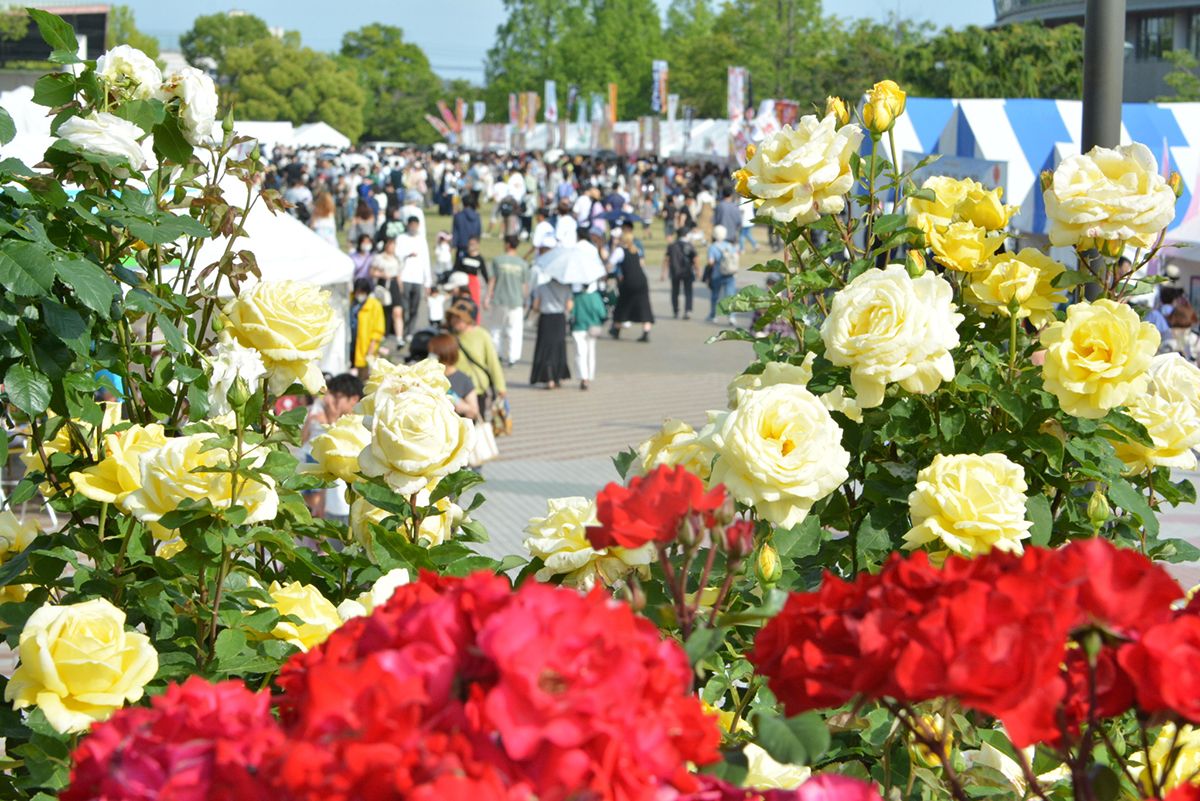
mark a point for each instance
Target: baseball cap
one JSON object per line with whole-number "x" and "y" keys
{"x": 465, "y": 308}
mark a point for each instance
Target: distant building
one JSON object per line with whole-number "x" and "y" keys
{"x": 89, "y": 19}
{"x": 1152, "y": 28}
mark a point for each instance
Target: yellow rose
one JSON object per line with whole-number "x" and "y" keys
{"x": 837, "y": 108}
{"x": 1109, "y": 195}
{"x": 120, "y": 472}
{"x": 416, "y": 438}
{"x": 939, "y": 212}
{"x": 168, "y": 479}
{"x": 963, "y": 246}
{"x": 15, "y": 536}
{"x": 78, "y": 664}
{"x": 379, "y": 594}
{"x": 1184, "y": 770}
{"x": 289, "y": 323}
{"x": 676, "y": 443}
{"x": 741, "y": 182}
{"x": 890, "y": 328}
{"x": 764, "y": 773}
{"x": 1170, "y": 411}
{"x": 835, "y": 400}
{"x": 389, "y": 379}
{"x": 1097, "y": 359}
{"x": 802, "y": 173}
{"x": 983, "y": 207}
{"x": 773, "y": 373}
{"x": 336, "y": 451}
{"x": 74, "y": 437}
{"x": 778, "y": 451}
{"x": 560, "y": 540}
{"x": 1026, "y": 277}
{"x": 318, "y": 617}
{"x": 969, "y": 504}
{"x": 885, "y": 102}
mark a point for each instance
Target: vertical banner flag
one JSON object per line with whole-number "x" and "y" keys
{"x": 552, "y": 102}
{"x": 532, "y": 106}
{"x": 512, "y": 108}
{"x": 480, "y": 111}
{"x": 658, "y": 88}
{"x": 572, "y": 98}
{"x": 597, "y": 107}
{"x": 438, "y": 125}
{"x": 787, "y": 111}
{"x": 460, "y": 112}
{"x": 612, "y": 104}
{"x": 736, "y": 95}
{"x": 672, "y": 107}
{"x": 522, "y": 110}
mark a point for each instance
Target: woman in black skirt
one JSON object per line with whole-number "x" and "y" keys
{"x": 633, "y": 291}
{"x": 552, "y": 301}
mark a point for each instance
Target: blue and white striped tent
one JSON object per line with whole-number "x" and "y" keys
{"x": 1033, "y": 135}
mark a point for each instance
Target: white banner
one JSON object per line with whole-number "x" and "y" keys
{"x": 480, "y": 111}
{"x": 672, "y": 107}
{"x": 658, "y": 89}
{"x": 551, "y": 102}
{"x": 736, "y": 95}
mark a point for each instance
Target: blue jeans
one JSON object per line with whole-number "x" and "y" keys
{"x": 747, "y": 238}
{"x": 722, "y": 287}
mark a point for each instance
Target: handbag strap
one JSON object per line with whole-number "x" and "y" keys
{"x": 491, "y": 390}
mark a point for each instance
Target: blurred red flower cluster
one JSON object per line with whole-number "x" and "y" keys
{"x": 455, "y": 689}
{"x": 1006, "y": 635}
{"x": 652, "y": 508}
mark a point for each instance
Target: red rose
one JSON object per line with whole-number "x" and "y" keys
{"x": 1118, "y": 589}
{"x": 196, "y": 742}
{"x": 822, "y": 787}
{"x": 651, "y": 508}
{"x": 1184, "y": 792}
{"x": 1114, "y": 691}
{"x": 1162, "y": 666}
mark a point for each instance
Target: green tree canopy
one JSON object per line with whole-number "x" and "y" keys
{"x": 273, "y": 79}
{"x": 1182, "y": 79}
{"x": 212, "y": 36}
{"x": 399, "y": 84}
{"x": 123, "y": 29}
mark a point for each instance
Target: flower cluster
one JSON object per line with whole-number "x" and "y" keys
{"x": 963, "y": 223}
{"x": 454, "y": 688}
{"x": 560, "y": 540}
{"x": 993, "y": 632}
{"x": 651, "y": 508}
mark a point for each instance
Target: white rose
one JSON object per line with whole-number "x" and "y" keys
{"x": 129, "y": 72}
{"x": 773, "y": 373}
{"x": 560, "y": 540}
{"x": 107, "y": 135}
{"x": 1170, "y": 411}
{"x": 1109, "y": 194}
{"x": 890, "y": 328}
{"x": 393, "y": 379}
{"x": 231, "y": 361}
{"x": 379, "y": 594}
{"x": 416, "y": 438}
{"x": 779, "y": 451}
{"x": 799, "y": 174}
{"x": 197, "y": 103}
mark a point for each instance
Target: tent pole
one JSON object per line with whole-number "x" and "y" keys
{"x": 1103, "y": 86}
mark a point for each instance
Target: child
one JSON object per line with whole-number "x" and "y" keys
{"x": 442, "y": 256}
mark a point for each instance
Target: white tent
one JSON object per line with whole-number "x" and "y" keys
{"x": 27, "y": 116}
{"x": 287, "y": 249}
{"x": 320, "y": 134}
{"x": 269, "y": 134}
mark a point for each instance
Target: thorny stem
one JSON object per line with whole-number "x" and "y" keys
{"x": 930, "y": 740}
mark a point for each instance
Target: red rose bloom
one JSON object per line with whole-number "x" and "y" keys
{"x": 1184, "y": 792}
{"x": 823, "y": 787}
{"x": 651, "y": 508}
{"x": 196, "y": 742}
{"x": 1119, "y": 589}
{"x": 1162, "y": 666}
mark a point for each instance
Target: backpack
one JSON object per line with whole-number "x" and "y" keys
{"x": 1183, "y": 314}
{"x": 508, "y": 207}
{"x": 729, "y": 259}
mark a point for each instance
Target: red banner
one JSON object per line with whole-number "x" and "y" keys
{"x": 612, "y": 104}
{"x": 438, "y": 125}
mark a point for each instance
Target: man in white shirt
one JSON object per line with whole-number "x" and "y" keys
{"x": 416, "y": 273}
{"x": 543, "y": 237}
{"x": 566, "y": 230}
{"x": 412, "y": 208}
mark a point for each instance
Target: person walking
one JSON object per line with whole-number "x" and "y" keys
{"x": 587, "y": 321}
{"x": 385, "y": 269}
{"x": 444, "y": 347}
{"x": 475, "y": 345}
{"x": 323, "y": 221}
{"x": 722, "y": 267}
{"x": 363, "y": 253}
{"x": 633, "y": 291}
{"x": 747, "y": 237}
{"x": 366, "y": 327}
{"x": 552, "y": 302}
{"x": 729, "y": 216}
{"x": 471, "y": 263}
{"x": 507, "y": 289}
{"x": 466, "y": 224}
{"x": 679, "y": 263}
{"x": 416, "y": 273}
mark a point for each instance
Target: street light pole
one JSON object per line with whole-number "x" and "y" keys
{"x": 1103, "y": 87}
{"x": 1103, "y": 72}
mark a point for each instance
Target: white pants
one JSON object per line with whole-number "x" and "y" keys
{"x": 511, "y": 327}
{"x": 585, "y": 355}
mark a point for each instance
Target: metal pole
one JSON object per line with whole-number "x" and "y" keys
{"x": 1103, "y": 87}
{"x": 1103, "y": 72}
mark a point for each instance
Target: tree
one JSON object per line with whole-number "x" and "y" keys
{"x": 122, "y": 29}
{"x": 1183, "y": 78}
{"x": 14, "y": 24}
{"x": 275, "y": 80}
{"x": 212, "y": 36}
{"x": 400, "y": 85}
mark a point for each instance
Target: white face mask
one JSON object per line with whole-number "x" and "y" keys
{"x": 362, "y": 296}
{"x": 364, "y": 248}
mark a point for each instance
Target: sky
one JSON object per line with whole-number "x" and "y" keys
{"x": 456, "y": 34}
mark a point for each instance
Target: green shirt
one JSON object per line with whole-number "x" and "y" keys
{"x": 511, "y": 276}
{"x": 484, "y": 365}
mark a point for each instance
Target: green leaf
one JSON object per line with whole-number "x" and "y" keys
{"x": 28, "y": 391}
{"x": 91, "y": 284}
{"x": 171, "y": 333}
{"x": 702, "y": 643}
{"x": 54, "y": 90}
{"x": 8, "y": 128}
{"x": 145, "y": 114}
{"x": 795, "y": 741}
{"x": 25, "y": 269}
{"x": 1123, "y": 494}
{"x": 1037, "y": 509}
{"x": 55, "y": 30}
{"x": 169, "y": 142}
{"x": 66, "y": 324}
{"x": 623, "y": 460}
